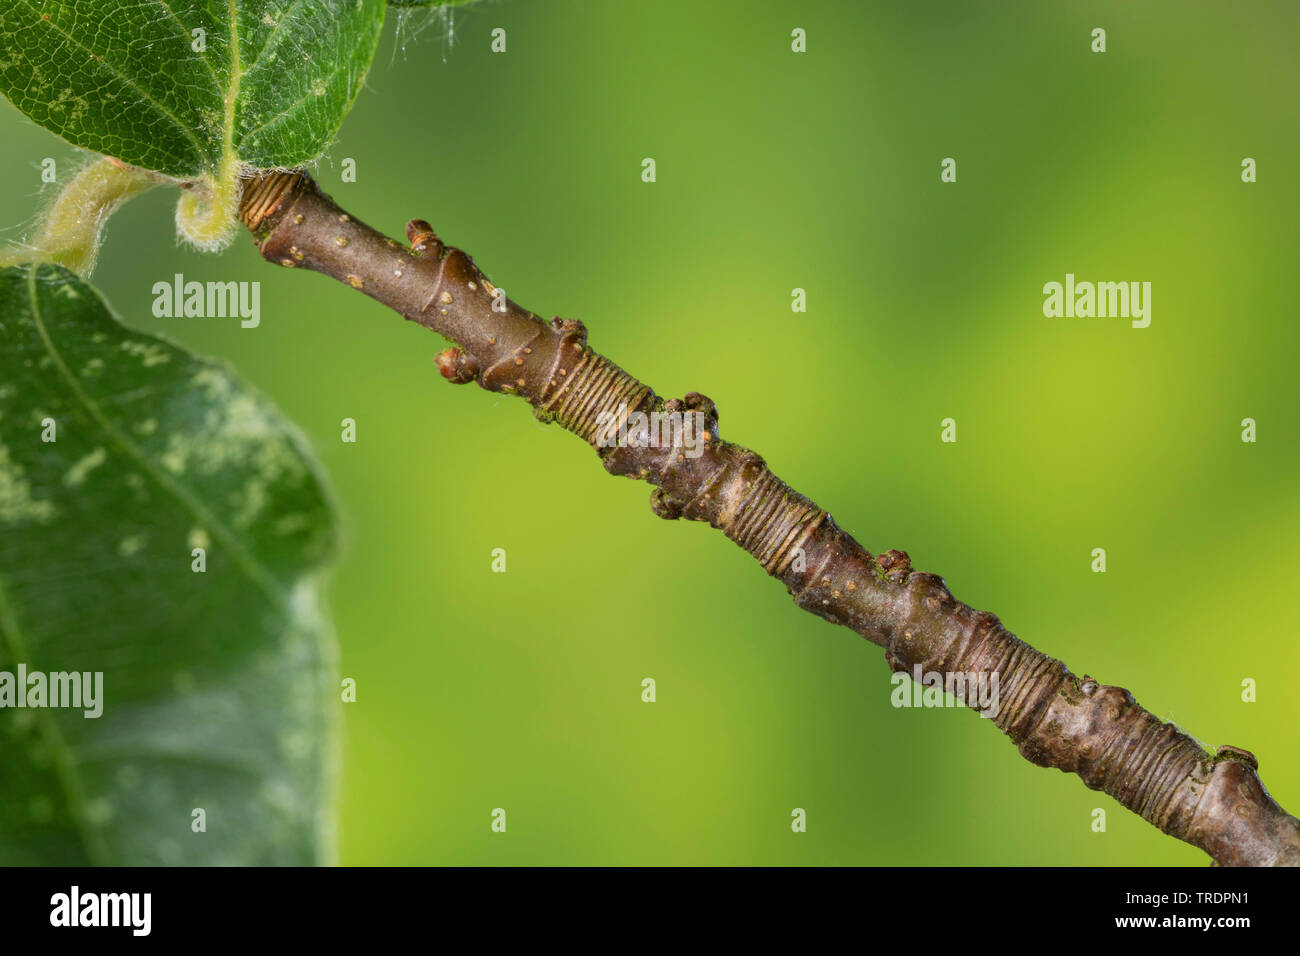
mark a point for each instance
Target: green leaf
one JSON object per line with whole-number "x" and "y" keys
{"x": 268, "y": 85}
{"x": 218, "y": 687}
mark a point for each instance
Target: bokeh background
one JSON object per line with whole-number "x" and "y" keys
{"x": 778, "y": 170}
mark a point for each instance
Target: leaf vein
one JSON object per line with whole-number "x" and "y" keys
{"x": 188, "y": 134}
{"x": 248, "y": 563}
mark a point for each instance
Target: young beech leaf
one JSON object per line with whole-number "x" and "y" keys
{"x": 161, "y": 525}
{"x": 190, "y": 88}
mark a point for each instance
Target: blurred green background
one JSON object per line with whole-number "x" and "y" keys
{"x": 778, "y": 170}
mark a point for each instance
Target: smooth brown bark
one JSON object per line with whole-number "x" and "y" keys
{"x": 1213, "y": 801}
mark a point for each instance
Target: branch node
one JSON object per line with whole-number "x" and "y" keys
{"x": 1227, "y": 752}
{"x": 455, "y": 366}
{"x": 573, "y": 328}
{"x": 264, "y": 195}
{"x": 894, "y": 565}
{"x": 664, "y": 505}
{"x": 419, "y": 233}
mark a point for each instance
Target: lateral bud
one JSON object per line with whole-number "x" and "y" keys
{"x": 701, "y": 403}
{"x": 455, "y": 366}
{"x": 419, "y": 233}
{"x": 1228, "y": 752}
{"x": 894, "y": 565}
{"x": 573, "y": 329}
{"x": 664, "y": 505}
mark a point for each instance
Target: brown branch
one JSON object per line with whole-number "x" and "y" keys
{"x": 1213, "y": 801}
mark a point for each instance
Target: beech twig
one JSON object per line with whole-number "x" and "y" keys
{"x": 1212, "y": 801}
